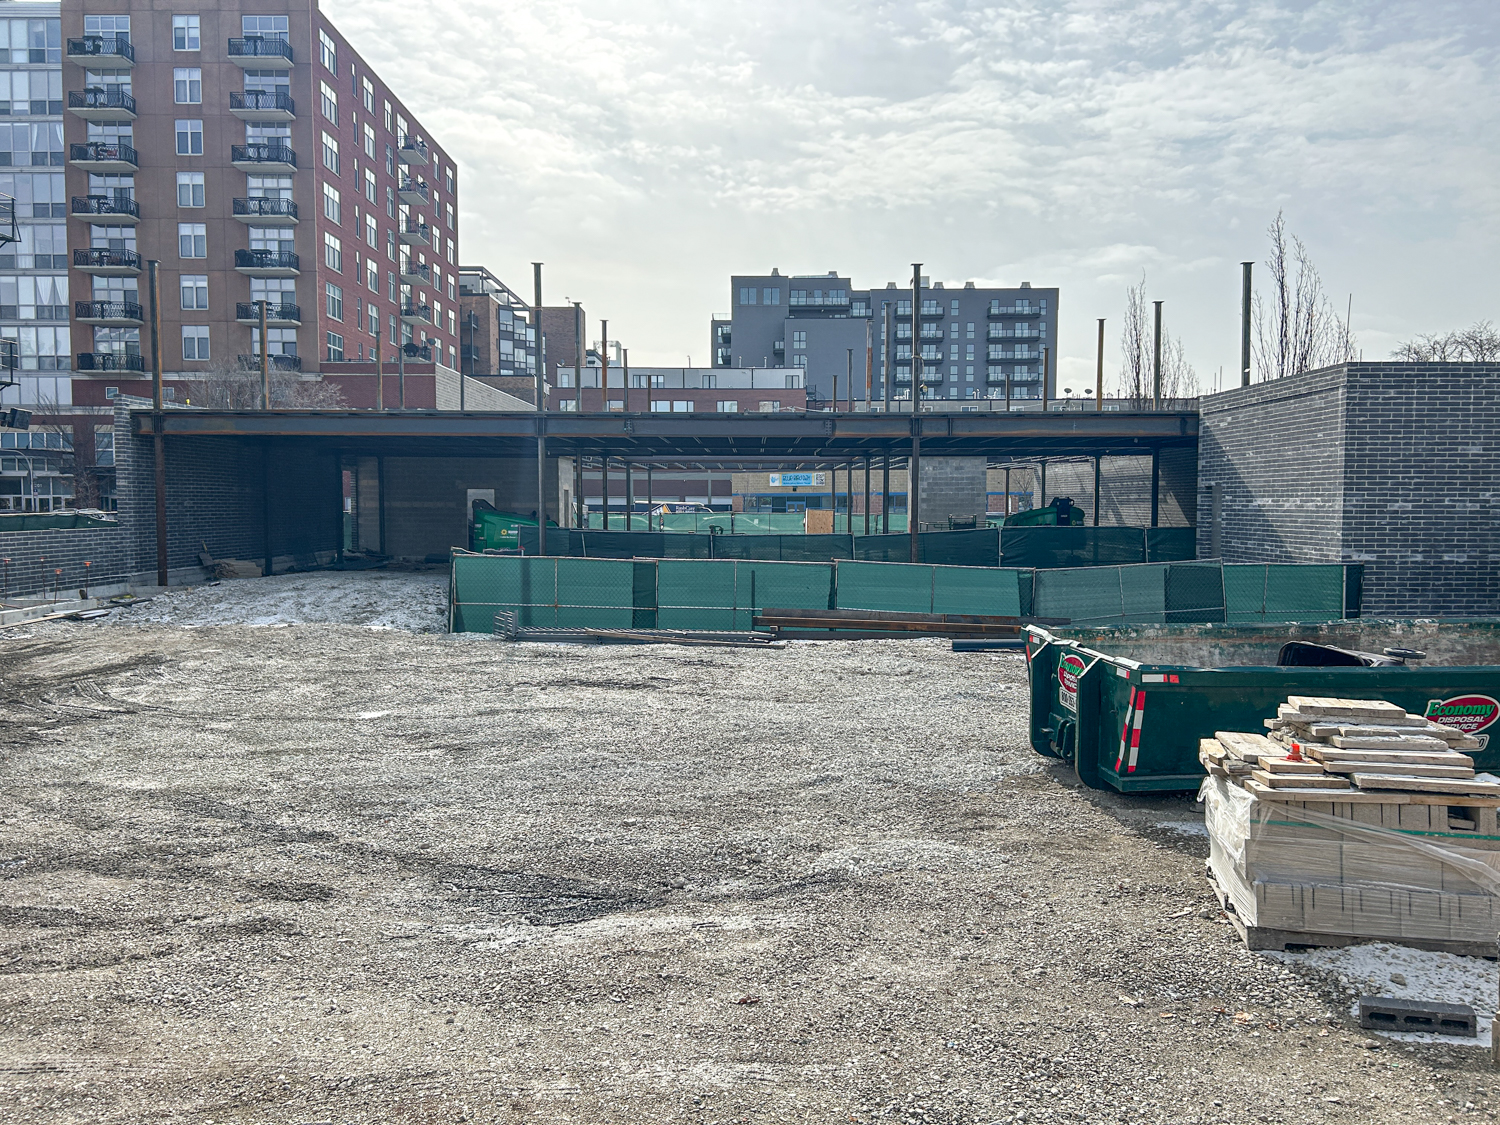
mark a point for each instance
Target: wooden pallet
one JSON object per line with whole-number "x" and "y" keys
{"x": 1264, "y": 938}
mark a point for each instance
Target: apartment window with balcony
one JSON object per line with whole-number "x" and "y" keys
{"x": 190, "y": 189}
{"x": 333, "y": 252}
{"x": 187, "y": 85}
{"x": 118, "y": 26}
{"x": 332, "y": 205}
{"x": 185, "y": 33}
{"x": 369, "y": 92}
{"x": 903, "y": 308}
{"x": 402, "y": 129}
{"x": 268, "y": 187}
{"x": 335, "y": 348}
{"x": 328, "y": 54}
{"x": 335, "y": 295}
{"x": 189, "y": 138}
{"x": 329, "y": 101}
{"x": 192, "y": 240}
{"x": 193, "y": 289}
{"x": 195, "y": 341}
{"x": 265, "y": 27}
{"x": 331, "y": 154}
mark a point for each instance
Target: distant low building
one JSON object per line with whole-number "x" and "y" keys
{"x": 678, "y": 390}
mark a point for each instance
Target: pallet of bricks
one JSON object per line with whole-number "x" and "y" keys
{"x": 1350, "y": 820}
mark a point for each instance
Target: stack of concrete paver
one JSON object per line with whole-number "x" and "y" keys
{"x": 1353, "y": 821}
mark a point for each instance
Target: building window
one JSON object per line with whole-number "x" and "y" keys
{"x": 372, "y": 236}
{"x": 661, "y": 406}
{"x": 187, "y": 85}
{"x": 392, "y": 326}
{"x": 390, "y": 246}
{"x": 195, "y": 341}
{"x": 370, "y": 192}
{"x": 330, "y": 102}
{"x": 370, "y": 144}
{"x": 448, "y": 180}
{"x": 189, "y": 138}
{"x": 450, "y": 216}
{"x": 335, "y": 348}
{"x": 192, "y": 240}
{"x": 185, "y": 33}
{"x": 772, "y": 297}
{"x": 452, "y": 252}
{"x": 194, "y": 290}
{"x": 335, "y": 301}
{"x": 387, "y": 118}
{"x": 333, "y": 252}
{"x": 728, "y": 406}
{"x": 327, "y": 53}
{"x": 372, "y": 276}
{"x": 390, "y": 201}
{"x": 190, "y": 189}
{"x": 391, "y": 285}
{"x": 374, "y": 322}
{"x": 799, "y": 361}
{"x": 747, "y": 296}
{"x": 969, "y": 332}
{"x": 331, "y": 203}
{"x": 331, "y": 154}
{"x": 682, "y": 406}
{"x": 265, "y": 27}
{"x": 799, "y": 339}
{"x": 369, "y": 89}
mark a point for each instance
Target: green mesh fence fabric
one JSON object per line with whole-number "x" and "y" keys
{"x": 908, "y": 588}
{"x": 1149, "y": 593}
{"x": 1050, "y": 547}
{"x": 944, "y": 548}
{"x": 725, "y": 593}
{"x": 1171, "y": 544}
{"x": 562, "y": 593}
{"x": 1284, "y": 592}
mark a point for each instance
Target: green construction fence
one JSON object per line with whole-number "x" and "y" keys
{"x": 724, "y": 594}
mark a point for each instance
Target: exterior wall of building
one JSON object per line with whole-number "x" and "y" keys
{"x": 972, "y": 339}
{"x": 952, "y": 487}
{"x": 498, "y": 340}
{"x": 1387, "y": 464}
{"x": 154, "y": 186}
{"x": 426, "y": 498}
{"x": 679, "y": 389}
{"x": 34, "y": 558}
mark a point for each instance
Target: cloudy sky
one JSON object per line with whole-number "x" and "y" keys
{"x": 647, "y": 149}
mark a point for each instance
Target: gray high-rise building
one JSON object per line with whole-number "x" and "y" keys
{"x": 972, "y": 343}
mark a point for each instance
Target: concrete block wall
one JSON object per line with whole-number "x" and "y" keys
{"x": 1392, "y": 465}
{"x": 952, "y": 486}
{"x": 29, "y": 560}
{"x": 425, "y": 502}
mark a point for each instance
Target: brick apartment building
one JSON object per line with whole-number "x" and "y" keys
{"x": 498, "y": 341}
{"x": 254, "y": 153}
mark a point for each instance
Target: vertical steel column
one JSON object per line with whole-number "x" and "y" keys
{"x": 869, "y": 362}
{"x": 848, "y": 384}
{"x": 1099, "y": 371}
{"x": 1156, "y": 363}
{"x": 158, "y": 422}
{"x": 541, "y": 417}
{"x": 916, "y": 358}
{"x": 649, "y": 502}
{"x": 265, "y": 504}
{"x": 867, "y": 481}
{"x": 887, "y": 362}
{"x": 401, "y": 374}
{"x": 1046, "y": 385}
{"x": 578, "y": 516}
{"x": 913, "y": 489}
{"x": 1098, "y": 460}
{"x": 1007, "y": 493}
{"x": 265, "y": 364}
{"x": 1155, "y": 483}
{"x": 625, "y": 380}
{"x": 630, "y": 498}
{"x": 1043, "y": 484}
{"x": 604, "y": 381}
{"x": 1245, "y": 302}
{"x": 885, "y": 491}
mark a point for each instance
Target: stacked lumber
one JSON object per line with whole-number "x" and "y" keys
{"x": 1351, "y": 820}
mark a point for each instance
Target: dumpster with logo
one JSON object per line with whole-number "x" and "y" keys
{"x": 1133, "y": 726}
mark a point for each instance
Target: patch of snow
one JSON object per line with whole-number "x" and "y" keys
{"x": 373, "y": 599}
{"x": 1443, "y": 977}
{"x": 1184, "y": 827}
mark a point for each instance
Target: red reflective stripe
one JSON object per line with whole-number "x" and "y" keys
{"x": 1135, "y": 736}
{"x": 1125, "y": 731}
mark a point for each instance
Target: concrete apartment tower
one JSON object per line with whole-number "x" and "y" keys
{"x": 253, "y": 152}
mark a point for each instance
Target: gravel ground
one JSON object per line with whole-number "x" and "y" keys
{"x": 325, "y": 873}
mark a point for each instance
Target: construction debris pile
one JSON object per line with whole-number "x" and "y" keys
{"x": 1353, "y": 821}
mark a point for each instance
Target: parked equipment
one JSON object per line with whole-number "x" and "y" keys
{"x": 1062, "y": 512}
{"x": 493, "y": 530}
{"x": 1136, "y": 727}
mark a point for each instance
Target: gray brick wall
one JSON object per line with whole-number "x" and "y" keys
{"x": 1387, "y": 464}
{"x": 952, "y": 486}
{"x": 30, "y": 560}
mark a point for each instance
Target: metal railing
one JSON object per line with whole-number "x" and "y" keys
{"x": 266, "y": 208}
{"x": 101, "y": 46}
{"x": 102, "y": 97}
{"x": 417, "y": 230}
{"x": 105, "y": 258}
{"x": 250, "y": 311}
{"x": 109, "y": 361}
{"x": 1016, "y": 310}
{"x": 100, "y": 151}
{"x": 267, "y": 260}
{"x": 411, "y": 150}
{"x": 417, "y": 269}
{"x": 275, "y": 360}
{"x": 256, "y": 47}
{"x": 106, "y": 205}
{"x": 107, "y": 310}
{"x": 417, "y": 312}
{"x": 262, "y": 154}
{"x": 417, "y": 188}
{"x": 262, "y": 101}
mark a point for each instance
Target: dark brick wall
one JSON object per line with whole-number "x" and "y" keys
{"x": 1391, "y": 465}
{"x": 29, "y": 560}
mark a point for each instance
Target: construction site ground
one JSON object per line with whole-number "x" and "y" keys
{"x": 344, "y": 873}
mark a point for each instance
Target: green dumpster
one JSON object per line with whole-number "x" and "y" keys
{"x": 1135, "y": 727}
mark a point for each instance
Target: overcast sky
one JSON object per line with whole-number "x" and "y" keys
{"x": 647, "y": 149}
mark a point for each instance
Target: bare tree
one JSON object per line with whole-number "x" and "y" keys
{"x": 1479, "y": 343}
{"x": 237, "y": 386}
{"x": 1296, "y": 327}
{"x": 1138, "y": 354}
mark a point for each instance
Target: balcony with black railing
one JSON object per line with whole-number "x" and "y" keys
{"x": 279, "y": 313}
{"x": 266, "y": 212}
{"x": 256, "y": 52}
{"x": 417, "y": 351}
{"x": 103, "y": 105}
{"x": 112, "y": 210}
{"x": 414, "y": 192}
{"x": 107, "y": 262}
{"x": 263, "y": 158}
{"x": 262, "y": 105}
{"x": 276, "y": 361}
{"x": 123, "y": 313}
{"x": 113, "y": 51}
{"x": 414, "y": 272}
{"x": 104, "y": 156}
{"x": 415, "y": 234}
{"x": 416, "y": 314}
{"x": 267, "y": 263}
{"x": 109, "y": 361}
{"x": 412, "y": 152}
